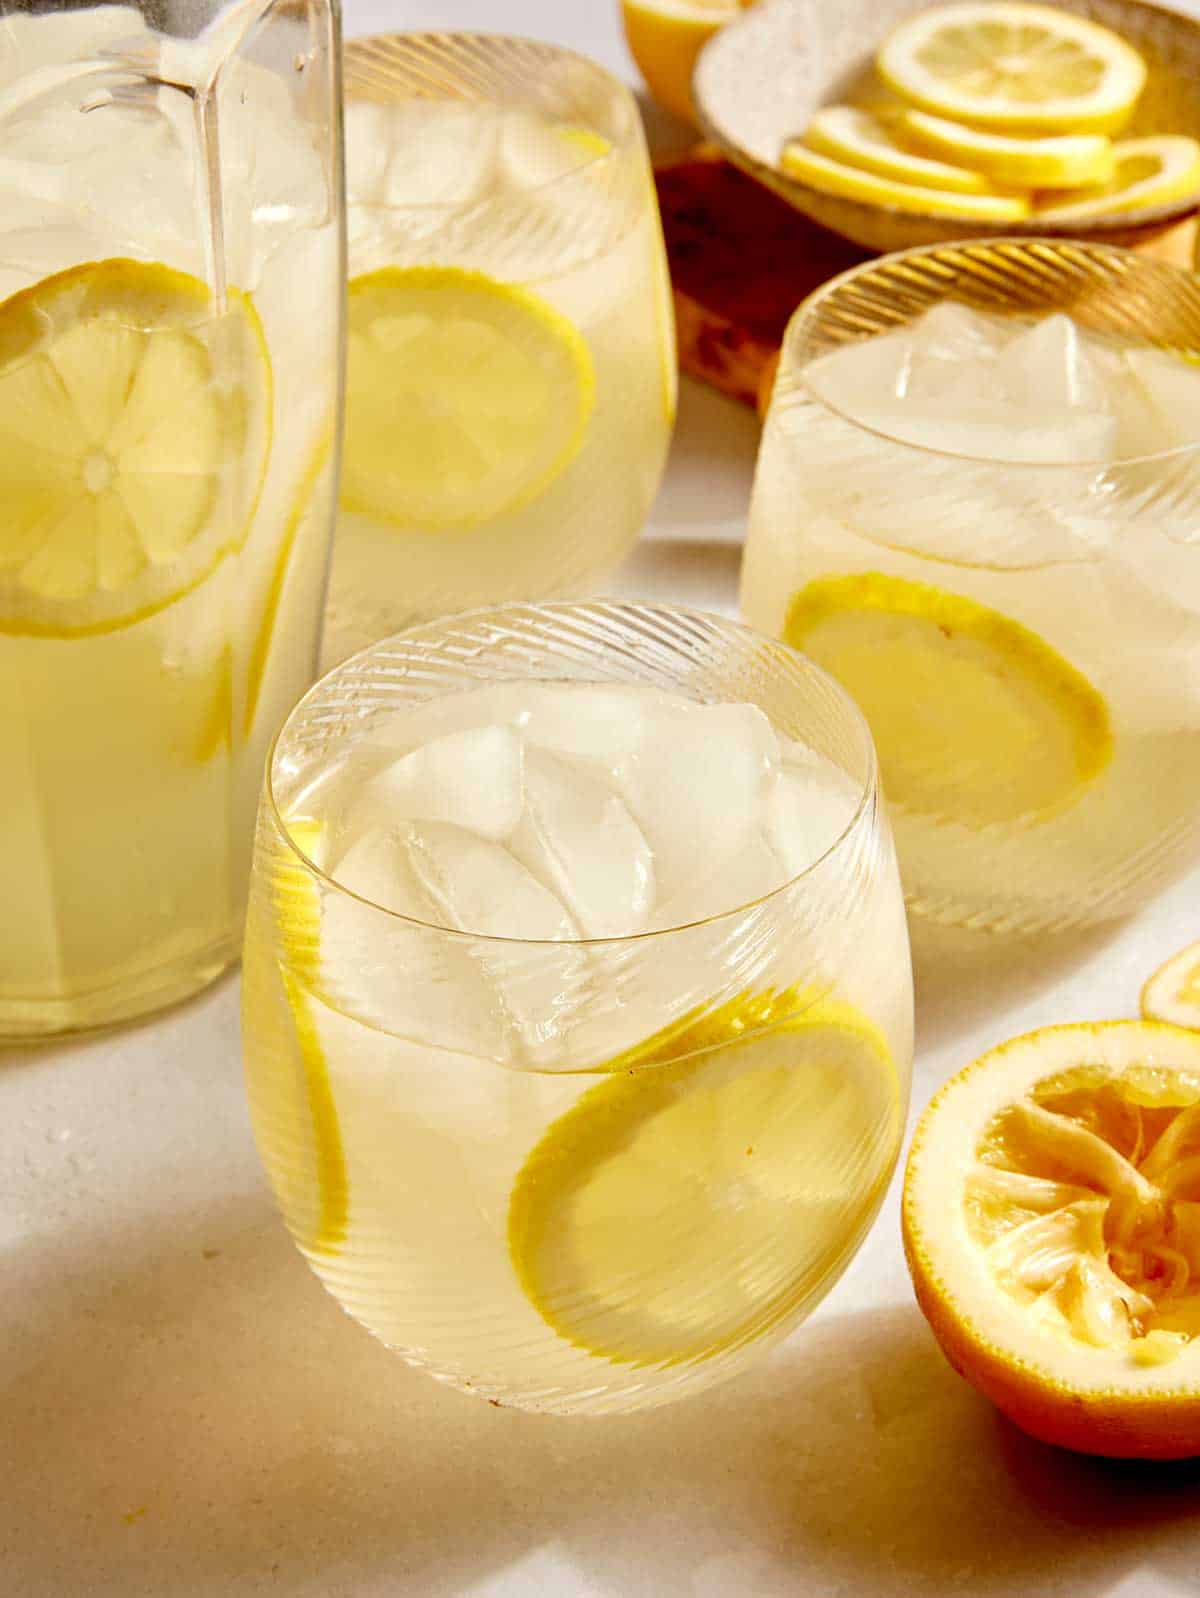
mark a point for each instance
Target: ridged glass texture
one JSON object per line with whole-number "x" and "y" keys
{"x": 525, "y": 163}
{"x": 1100, "y": 561}
{"x": 443, "y": 1197}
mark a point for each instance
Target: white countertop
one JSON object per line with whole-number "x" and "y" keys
{"x": 185, "y": 1414}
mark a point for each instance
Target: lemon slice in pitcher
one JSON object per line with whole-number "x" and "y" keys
{"x": 976, "y": 719}
{"x": 680, "y": 1209}
{"x": 465, "y": 397}
{"x": 135, "y": 427}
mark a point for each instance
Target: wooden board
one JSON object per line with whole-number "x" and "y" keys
{"x": 742, "y": 260}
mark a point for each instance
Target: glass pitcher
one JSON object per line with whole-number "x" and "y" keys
{"x": 171, "y": 268}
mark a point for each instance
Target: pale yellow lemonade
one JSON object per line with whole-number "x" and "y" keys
{"x": 554, "y": 1153}
{"x": 988, "y": 528}
{"x": 511, "y": 363}
{"x": 168, "y": 400}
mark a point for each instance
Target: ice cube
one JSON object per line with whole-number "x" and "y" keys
{"x": 996, "y": 431}
{"x": 874, "y": 368}
{"x": 1171, "y": 386}
{"x": 479, "y": 887}
{"x": 440, "y": 153}
{"x": 809, "y": 808}
{"x": 696, "y": 785}
{"x": 471, "y": 778}
{"x": 594, "y": 722}
{"x": 1048, "y": 367}
{"x": 750, "y": 872}
{"x": 578, "y": 837}
{"x": 404, "y": 977}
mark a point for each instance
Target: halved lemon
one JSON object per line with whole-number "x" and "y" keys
{"x": 1173, "y": 992}
{"x": 680, "y": 1209}
{"x": 1023, "y": 68}
{"x": 847, "y": 134}
{"x": 1147, "y": 173}
{"x": 1051, "y": 1221}
{"x": 465, "y": 397}
{"x": 1056, "y": 161}
{"x": 666, "y": 36}
{"x": 135, "y": 427}
{"x": 976, "y": 719}
{"x": 828, "y": 176}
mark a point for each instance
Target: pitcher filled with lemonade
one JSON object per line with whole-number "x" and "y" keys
{"x": 170, "y": 271}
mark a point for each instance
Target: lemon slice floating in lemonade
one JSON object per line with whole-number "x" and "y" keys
{"x": 312, "y": 1183}
{"x": 642, "y": 1225}
{"x": 1007, "y": 65}
{"x": 1051, "y": 1221}
{"x": 135, "y": 427}
{"x": 975, "y": 717}
{"x": 465, "y": 397}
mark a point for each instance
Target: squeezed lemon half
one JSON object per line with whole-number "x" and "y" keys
{"x": 465, "y": 397}
{"x": 1051, "y": 1219}
{"x": 135, "y": 428}
{"x": 975, "y": 718}
{"x": 678, "y": 1209}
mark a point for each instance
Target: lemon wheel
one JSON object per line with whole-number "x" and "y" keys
{"x": 976, "y": 719}
{"x": 846, "y": 134}
{"x": 1008, "y": 65}
{"x": 678, "y": 1210}
{"x": 1057, "y": 161}
{"x": 135, "y": 428}
{"x": 1051, "y": 1220}
{"x": 312, "y": 1182}
{"x": 1173, "y": 992}
{"x": 465, "y": 397}
{"x": 831, "y": 176}
{"x": 1147, "y": 173}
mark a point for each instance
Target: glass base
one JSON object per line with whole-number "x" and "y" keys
{"x": 31, "y": 1020}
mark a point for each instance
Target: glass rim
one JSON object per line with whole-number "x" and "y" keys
{"x": 865, "y": 808}
{"x": 808, "y": 308}
{"x": 617, "y": 147}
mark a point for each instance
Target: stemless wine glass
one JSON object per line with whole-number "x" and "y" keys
{"x": 978, "y": 505}
{"x": 568, "y": 1172}
{"x": 511, "y": 382}
{"x": 170, "y": 327}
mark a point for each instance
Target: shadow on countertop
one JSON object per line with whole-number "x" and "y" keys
{"x": 186, "y": 1413}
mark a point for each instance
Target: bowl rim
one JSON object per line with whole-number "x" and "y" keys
{"x": 816, "y": 202}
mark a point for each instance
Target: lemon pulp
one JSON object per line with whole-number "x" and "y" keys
{"x": 975, "y": 718}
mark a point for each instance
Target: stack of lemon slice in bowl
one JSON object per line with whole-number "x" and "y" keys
{"x": 998, "y": 111}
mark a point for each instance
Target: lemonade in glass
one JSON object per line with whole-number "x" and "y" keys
{"x": 511, "y": 361}
{"x": 977, "y": 504}
{"x": 170, "y": 270}
{"x": 577, "y": 1004}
